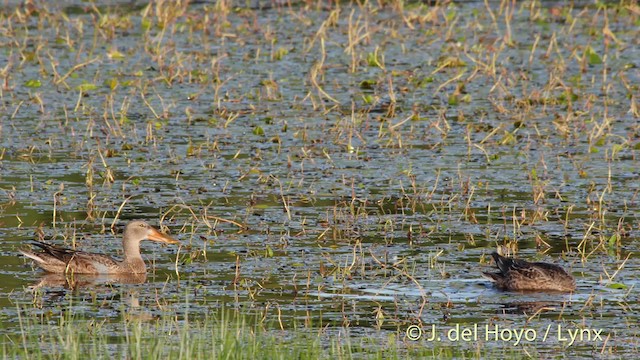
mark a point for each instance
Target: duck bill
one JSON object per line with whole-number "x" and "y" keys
{"x": 155, "y": 235}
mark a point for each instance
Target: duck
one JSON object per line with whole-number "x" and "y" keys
{"x": 521, "y": 275}
{"x": 59, "y": 260}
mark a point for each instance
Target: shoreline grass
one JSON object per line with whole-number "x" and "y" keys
{"x": 220, "y": 334}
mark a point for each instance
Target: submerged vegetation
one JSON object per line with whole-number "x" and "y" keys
{"x": 337, "y": 172}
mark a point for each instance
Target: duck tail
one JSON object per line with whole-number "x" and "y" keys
{"x": 503, "y": 263}
{"x": 495, "y": 277}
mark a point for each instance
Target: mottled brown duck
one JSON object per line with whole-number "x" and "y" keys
{"x": 56, "y": 259}
{"x": 521, "y": 275}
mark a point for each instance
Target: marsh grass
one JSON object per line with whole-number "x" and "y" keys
{"x": 219, "y": 334}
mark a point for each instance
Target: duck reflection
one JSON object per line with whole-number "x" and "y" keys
{"x": 55, "y": 288}
{"x": 79, "y": 281}
{"x": 531, "y": 307}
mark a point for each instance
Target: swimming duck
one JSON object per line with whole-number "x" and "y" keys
{"x": 56, "y": 259}
{"x": 520, "y": 275}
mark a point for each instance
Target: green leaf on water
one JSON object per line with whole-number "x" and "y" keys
{"x": 86, "y": 87}
{"x": 567, "y": 96}
{"x": 594, "y": 58}
{"x": 367, "y": 84}
{"x": 114, "y": 54}
{"x": 508, "y": 139}
{"x": 33, "y": 83}
{"x": 111, "y": 83}
{"x": 613, "y": 240}
{"x": 616, "y": 148}
{"x": 258, "y": 130}
{"x": 145, "y": 24}
{"x": 367, "y": 98}
{"x": 372, "y": 60}
{"x": 29, "y": 55}
{"x": 451, "y": 14}
{"x": 280, "y": 53}
{"x": 268, "y": 252}
{"x": 617, "y": 286}
{"x": 451, "y": 62}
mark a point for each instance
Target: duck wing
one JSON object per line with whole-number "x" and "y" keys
{"x": 57, "y": 259}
